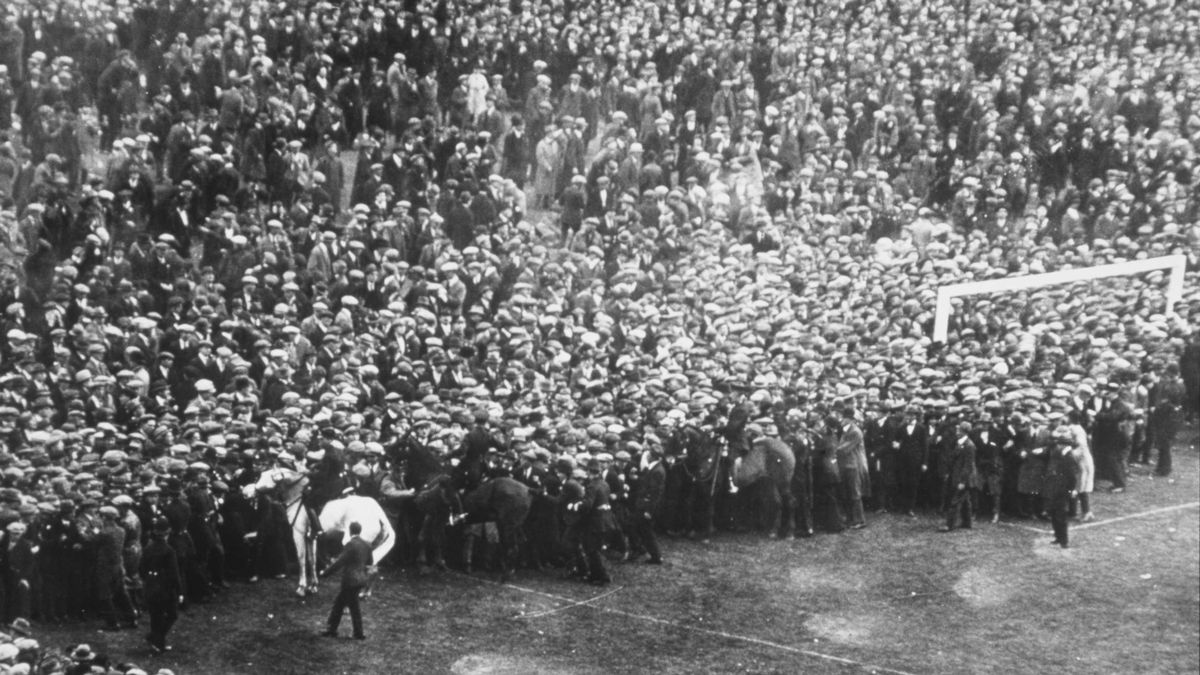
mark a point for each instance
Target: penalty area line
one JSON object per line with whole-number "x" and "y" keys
{"x": 694, "y": 629}
{"x": 1143, "y": 514}
{"x": 1107, "y": 521}
{"x": 581, "y": 603}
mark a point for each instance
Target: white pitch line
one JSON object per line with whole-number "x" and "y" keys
{"x": 758, "y": 641}
{"x": 588, "y": 601}
{"x": 1098, "y": 523}
{"x": 707, "y": 631}
{"x": 1143, "y": 514}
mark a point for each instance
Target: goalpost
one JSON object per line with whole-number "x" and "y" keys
{"x": 1175, "y": 263}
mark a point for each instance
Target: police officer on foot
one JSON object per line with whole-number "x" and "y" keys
{"x": 352, "y": 563}
{"x": 597, "y": 522}
{"x": 1059, "y": 482}
{"x": 164, "y": 587}
{"x": 647, "y": 500}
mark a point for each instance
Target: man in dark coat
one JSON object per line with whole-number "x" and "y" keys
{"x": 1060, "y": 481}
{"x": 19, "y": 568}
{"x": 800, "y": 440}
{"x": 601, "y": 198}
{"x": 475, "y": 446}
{"x": 164, "y": 586}
{"x": 1167, "y": 398}
{"x": 12, "y": 47}
{"x": 990, "y": 438}
{"x": 179, "y": 514}
{"x": 59, "y": 536}
{"x": 911, "y": 444}
{"x": 827, "y": 509}
{"x": 574, "y": 202}
{"x": 1111, "y": 437}
{"x": 516, "y": 153}
{"x": 326, "y": 476}
{"x": 270, "y": 531}
{"x": 1189, "y": 370}
{"x": 119, "y": 72}
{"x": 352, "y": 563}
{"x": 460, "y": 222}
{"x": 210, "y": 556}
{"x": 570, "y": 498}
{"x": 597, "y": 522}
{"x": 541, "y": 527}
{"x": 959, "y": 477}
{"x": 852, "y": 466}
{"x": 109, "y": 543}
{"x": 877, "y": 431}
{"x": 484, "y": 209}
{"x": 647, "y": 499}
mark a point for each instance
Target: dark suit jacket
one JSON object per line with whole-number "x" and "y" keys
{"x": 989, "y": 446}
{"x": 1062, "y": 474}
{"x": 596, "y": 507}
{"x": 20, "y": 562}
{"x": 959, "y": 465}
{"x": 109, "y": 561}
{"x": 597, "y": 207}
{"x": 516, "y": 156}
{"x": 916, "y": 444}
{"x": 160, "y": 569}
{"x": 650, "y": 487}
{"x": 574, "y": 201}
{"x": 352, "y": 563}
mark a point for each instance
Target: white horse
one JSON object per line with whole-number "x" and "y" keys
{"x": 289, "y": 484}
{"x": 377, "y": 530}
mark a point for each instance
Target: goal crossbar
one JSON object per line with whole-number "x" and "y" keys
{"x": 1175, "y": 263}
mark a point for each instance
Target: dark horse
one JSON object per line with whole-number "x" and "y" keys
{"x": 505, "y": 502}
{"x": 694, "y": 477}
{"x": 423, "y": 518}
{"x": 437, "y": 502}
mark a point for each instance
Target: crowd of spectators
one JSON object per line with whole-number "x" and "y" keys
{"x": 237, "y": 232}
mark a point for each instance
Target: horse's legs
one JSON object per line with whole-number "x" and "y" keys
{"x": 785, "y": 510}
{"x": 725, "y": 500}
{"x": 770, "y": 501}
{"x": 300, "y": 539}
{"x": 508, "y": 550}
{"x": 697, "y": 503}
{"x": 423, "y": 538}
{"x": 311, "y": 586}
{"x": 468, "y": 550}
{"x": 708, "y": 498}
{"x": 306, "y": 552}
{"x": 678, "y": 518}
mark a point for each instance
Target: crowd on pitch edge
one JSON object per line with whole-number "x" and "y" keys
{"x": 582, "y": 229}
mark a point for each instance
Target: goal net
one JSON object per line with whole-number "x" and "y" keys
{"x": 1174, "y": 292}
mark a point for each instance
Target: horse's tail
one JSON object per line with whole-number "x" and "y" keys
{"x": 384, "y": 541}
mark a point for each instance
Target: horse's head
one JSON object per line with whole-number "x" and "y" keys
{"x": 701, "y": 451}
{"x": 269, "y": 480}
{"x": 423, "y": 464}
{"x": 278, "y": 481}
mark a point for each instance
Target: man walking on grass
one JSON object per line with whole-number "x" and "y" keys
{"x": 352, "y": 563}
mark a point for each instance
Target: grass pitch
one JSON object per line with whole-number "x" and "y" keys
{"x": 895, "y": 597}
